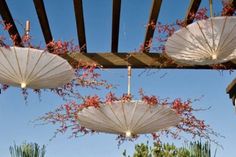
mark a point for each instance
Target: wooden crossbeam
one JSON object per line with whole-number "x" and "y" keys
{"x": 230, "y": 13}
{"x": 231, "y": 89}
{"x": 193, "y": 7}
{"x": 156, "y": 6}
{"x": 43, "y": 20}
{"x": 7, "y": 18}
{"x": 79, "y": 17}
{"x": 115, "y": 25}
{"x": 136, "y": 60}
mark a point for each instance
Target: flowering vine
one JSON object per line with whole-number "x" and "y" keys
{"x": 66, "y": 117}
{"x": 86, "y": 75}
{"x": 164, "y": 31}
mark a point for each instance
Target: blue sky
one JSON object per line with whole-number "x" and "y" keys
{"x": 15, "y": 116}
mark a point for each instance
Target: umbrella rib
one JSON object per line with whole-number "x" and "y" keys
{"x": 200, "y": 28}
{"x": 158, "y": 111}
{"x": 10, "y": 74}
{"x": 161, "y": 126}
{"x": 109, "y": 119}
{"x": 141, "y": 116}
{"x": 7, "y": 76}
{"x": 197, "y": 39}
{"x": 222, "y": 31}
{"x": 104, "y": 125}
{"x": 223, "y": 44}
{"x": 55, "y": 84}
{"x": 228, "y": 51}
{"x": 17, "y": 60}
{"x": 213, "y": 36}
{"x": 189, "y": 42}
{"x": 193, "y": 50}
{"x": 98, "y": 128}
{"x": 150, "y": 122}
{"x": 27, "y": 62}
{"x": 51, "y": 78}
{"x": 40, "y": 76}
{"x": 35, "y": 65}
{"x": 9, "y": 62}
{"x": 132, "y": 116}
{"x": 106, "y": 117}
{"x": 116, "y": 116}
{"x": 30, "y": 79}
{"x": 126, "y": 125}
{"x": 228, "y": 44}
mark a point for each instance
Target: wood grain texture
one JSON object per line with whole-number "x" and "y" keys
{"x": 115, "y": 25}
{"x": 43, "y": 20}
{"x": 156, "y": 6}
{"x": 79, "y": 18}
{"x": 134, "y": 59}
{"x": 7, "y": 18}
{"x": 192, "y": 9}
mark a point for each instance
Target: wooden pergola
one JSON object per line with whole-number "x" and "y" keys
{"x": 114, "y": 58}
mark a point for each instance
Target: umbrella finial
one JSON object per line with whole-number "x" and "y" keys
{"x": 128, "y": 133}
{"x": 214, "y": 56}
{"x": 23, "y": 85}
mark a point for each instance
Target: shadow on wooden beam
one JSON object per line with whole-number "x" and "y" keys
{"x": 136, "y": 60}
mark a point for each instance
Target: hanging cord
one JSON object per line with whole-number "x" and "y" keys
{"x": 211, "y": 8}
{"x": 129, "y": 79}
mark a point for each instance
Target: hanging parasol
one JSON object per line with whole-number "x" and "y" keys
{"x": 33, "y": 68}
{"x": 204, "y": 42}
{"x": 128, "y": 118}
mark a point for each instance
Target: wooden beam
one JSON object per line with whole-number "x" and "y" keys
{"x": 136, "y": 60}
{"x": 43, "y": 20}
{"x": 230, "y": 12}
{"x": 7, "y": 18}
{"x": 115, "y": 25}
{"x": 234, "y": 3}
{"x": 156, "y": 6}
{"x": 193, "y": 7}
{"x": 231, "y": 89}
{"x": 79, "y": 17}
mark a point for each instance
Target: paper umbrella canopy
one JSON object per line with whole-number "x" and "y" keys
{"x": 204, "y": 42}
{"x": 128, "y": 118}
{"x": 33, "y": 68}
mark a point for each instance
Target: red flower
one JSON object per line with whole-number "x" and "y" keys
{"x": 7, "y": 26}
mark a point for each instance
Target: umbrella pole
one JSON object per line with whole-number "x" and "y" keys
{"x": 129, "y": 79}
{"x": 27, "y": 27}
{"x": 211, "y": 8}
{"x": 27, "y": 31}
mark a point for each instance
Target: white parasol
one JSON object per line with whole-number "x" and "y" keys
{"x": 33, "y": 68}
{"x": 128, "y": 118}
{"x": 204, "y": 42}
